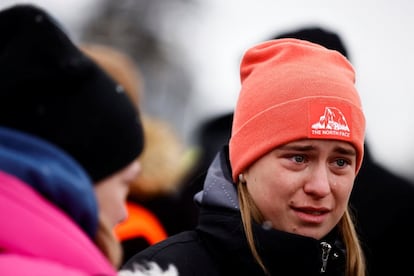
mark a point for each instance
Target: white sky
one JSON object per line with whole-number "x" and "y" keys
{"x": 378, "y": 34}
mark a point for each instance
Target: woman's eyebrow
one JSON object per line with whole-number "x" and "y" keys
{"x": 297, "y": 147}
{"x": 347, "y": 151}
{"x": 339, "y": 149}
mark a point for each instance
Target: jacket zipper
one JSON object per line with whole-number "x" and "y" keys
{"x": 326, "y": 249}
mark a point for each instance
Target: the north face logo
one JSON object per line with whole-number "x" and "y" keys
{"x": 331, "y": 123}
{"x": 332, "y": 118}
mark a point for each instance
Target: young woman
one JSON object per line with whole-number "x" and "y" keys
{"x": 275, "y": 201}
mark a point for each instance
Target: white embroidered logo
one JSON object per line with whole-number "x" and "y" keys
{"x": 332, "y": 122}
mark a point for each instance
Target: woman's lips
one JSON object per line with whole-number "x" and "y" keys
{"x": 311, "y": 215}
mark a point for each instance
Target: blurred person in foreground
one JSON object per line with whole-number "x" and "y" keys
{"x": 275, "y": 201}
{"x": 69, "y": 142}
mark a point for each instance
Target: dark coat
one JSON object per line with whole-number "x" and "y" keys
{"x": 383, "y": 204}
{"x": 218, "y": 245}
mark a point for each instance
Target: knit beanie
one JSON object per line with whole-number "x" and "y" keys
{"x": 293, "y": 89}
{"x": 50, "y": 89}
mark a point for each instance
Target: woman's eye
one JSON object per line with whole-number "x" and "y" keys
{"x": 298, "y": 158}
{"x": 341, "y": 162}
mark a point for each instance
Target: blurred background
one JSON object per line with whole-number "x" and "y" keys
{"x": 189, "y": 53}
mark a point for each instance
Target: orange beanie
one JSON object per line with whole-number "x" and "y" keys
{"x": 293, "y": 89}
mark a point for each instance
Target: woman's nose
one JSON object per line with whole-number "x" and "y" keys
{"x": 318, "y": 184}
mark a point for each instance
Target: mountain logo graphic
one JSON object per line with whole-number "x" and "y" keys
{"x": 332, "y": 119}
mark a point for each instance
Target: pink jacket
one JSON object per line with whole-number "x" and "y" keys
{"x": 36, "y": 238}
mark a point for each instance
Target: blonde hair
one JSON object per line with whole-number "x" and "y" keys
{"x": 355, "y": 262}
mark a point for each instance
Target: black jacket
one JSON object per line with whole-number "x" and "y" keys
{"x": 218, "y": 245}
{"x": 383, "y": 204}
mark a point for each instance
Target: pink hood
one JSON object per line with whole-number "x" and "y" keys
{"x": 36, "y": 238}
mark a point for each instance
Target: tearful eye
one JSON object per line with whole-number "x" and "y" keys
{"x": 341, "y": 162}
{"x": 298, "y": 158}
